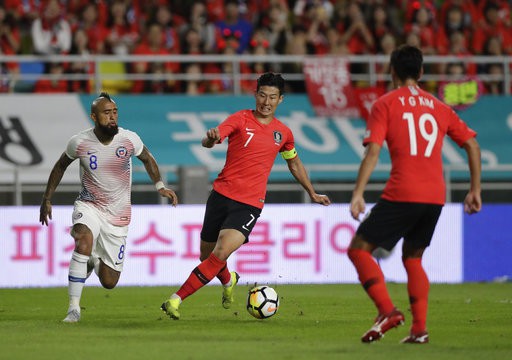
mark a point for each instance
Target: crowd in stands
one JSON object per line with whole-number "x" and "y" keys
{"x": 301, "y": 27}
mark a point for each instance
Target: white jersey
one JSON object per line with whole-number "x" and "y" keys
{"x": 106, "y": 172}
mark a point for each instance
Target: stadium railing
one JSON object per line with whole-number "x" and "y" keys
{"x": 502, "y": 189}
{"x": 369, "y": 75}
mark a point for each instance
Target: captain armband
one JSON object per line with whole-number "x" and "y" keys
{"x": 289, "y": 154}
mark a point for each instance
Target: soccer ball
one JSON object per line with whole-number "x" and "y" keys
{"x": 262, "y": 302}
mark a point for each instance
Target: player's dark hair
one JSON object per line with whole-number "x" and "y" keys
{"x": 103, "y": 95}
{"x": 271, "y": 79}
{"x": 407, "y": 62}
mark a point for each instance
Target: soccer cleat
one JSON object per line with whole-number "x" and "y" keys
{"x": 383, "y": 323}
{"x": 170, "y": 307}
{"x": 227, "y": 293}
{"x": 421, "y": 338}
{"x": 73, "y": 316}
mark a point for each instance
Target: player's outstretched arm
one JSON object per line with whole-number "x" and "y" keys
{"x": 473, "y": 200}
{"x": 300, "y": 174}
{"x": 154, "y": 173}
{"x": 371, "y": 157}
{"x": 45, "y": 211}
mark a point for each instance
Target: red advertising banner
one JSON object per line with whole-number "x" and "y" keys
{"x": 330, "y": 89}
{"x": 329, "y": 86}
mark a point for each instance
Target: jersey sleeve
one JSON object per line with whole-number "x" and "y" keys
{"x": 135, "y": 139}
{"x": 72, "y": 146}
{"x": 376, "y": 126}
{"x": 288, "y": 150}
{"x": 229, "y": 126}
{"x": 458, "y": 130}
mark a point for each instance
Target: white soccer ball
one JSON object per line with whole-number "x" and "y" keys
{"x": 262, "y": 302}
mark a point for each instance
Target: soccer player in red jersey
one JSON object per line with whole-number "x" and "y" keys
{"x": 235, "y": 203}
{"x": 413, "y": 123}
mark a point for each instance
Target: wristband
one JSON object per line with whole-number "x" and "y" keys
{"x": 159, "y": 185}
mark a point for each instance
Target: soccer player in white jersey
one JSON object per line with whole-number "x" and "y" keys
{"x": 102, "y": 210}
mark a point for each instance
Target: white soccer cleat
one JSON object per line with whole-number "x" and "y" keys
{"x": 73, "y": 316}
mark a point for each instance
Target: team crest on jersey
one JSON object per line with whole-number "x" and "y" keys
{"x": 121, "y": 152}
{"x": 278, "y": 137}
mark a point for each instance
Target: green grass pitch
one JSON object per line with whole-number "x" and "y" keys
{"x": 466, "y": 321}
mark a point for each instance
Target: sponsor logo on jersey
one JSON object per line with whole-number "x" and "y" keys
{"x": 121, "y": 152}
{"x": 77, "y": 215}
{"x": 278, "y": 137}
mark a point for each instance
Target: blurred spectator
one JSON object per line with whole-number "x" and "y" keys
{"x": 9, "y": 33}
{"x": 51, "y": 33}
{"x": 234, "y": 26}
{"x": 455, "y": 71}
{"x": 355, "y": 33}
{"x": 198, "y": 22}
{"x": 56, "y": 84}
{"x": 153, "y": 44}
{"x": 492, "y": 25}
{"x": 24, "y": 11}
{"x": 259, "y": 46}
{"x": 9, "y": 45}
{"x": 316, "y": 19}
{"x": 96, "y": 31}
{"x": 73, "y": 9}
{"x": 225, "y": 84}
{"x": 170, "y": 24}
{"x": 296, "y": 45}
{"x": 123, "y": 34}
{"x": 80, "y": 46}
{"x": 335, "y": 43}
{"x": 495, "y": 85}
{"x": 192, "y": 43}
{"x": 458, "y": 46}
{"x": 469, "y": 9}
{"x": 380, "y": 25}
{"x": 412, "y": 7}
{"x": 424, "y": 25}
{"x": 195, "y": 85}
{"x": 455, "y": 21}
{"x": 387, "y": 43}
{"x": 301, "y": 8}
{"x": 275, "y": 19}
{"x": 215, "y": 10}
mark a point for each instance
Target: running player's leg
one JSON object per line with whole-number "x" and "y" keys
{"x": 111, "y": 249}
{"x": 415, "y": 242}
{"x": 78, "y": 269}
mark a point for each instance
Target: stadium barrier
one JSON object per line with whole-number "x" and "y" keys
{"x": 113, "y": 70}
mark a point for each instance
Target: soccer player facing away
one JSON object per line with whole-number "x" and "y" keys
{"x": 102, "y": 210}
{"x": 238, "y": 195}
{"x": 413, "y": 123}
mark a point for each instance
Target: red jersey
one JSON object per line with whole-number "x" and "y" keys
{"x": 252, "y": 150}
{"x": 413, "y": 122}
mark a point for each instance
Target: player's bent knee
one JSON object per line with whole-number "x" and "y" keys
{"x": 109, "y": 283}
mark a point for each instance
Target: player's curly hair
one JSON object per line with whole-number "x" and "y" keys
{"x": 271, "y": 79}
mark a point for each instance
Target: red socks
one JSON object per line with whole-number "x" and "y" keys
{"x": 224, "y": 275}
{"x": 372, "y": 279}
{"x": 201, "y": 276}
{"x": 417, "y": 286}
